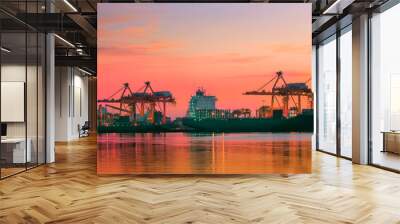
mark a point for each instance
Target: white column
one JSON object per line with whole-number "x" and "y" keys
{"x": 50, "y": 99}
{"x": 50, "y": 92}
{"x": 360, "y": 90}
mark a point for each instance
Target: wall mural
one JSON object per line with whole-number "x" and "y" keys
{"x": 204, "y": 88}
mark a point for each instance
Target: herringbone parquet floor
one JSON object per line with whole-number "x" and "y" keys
{"x": 69, "y": 191}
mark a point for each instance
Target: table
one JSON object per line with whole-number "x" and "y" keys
{"x": 16, "y": 148}
{"x": 391, "y": 141}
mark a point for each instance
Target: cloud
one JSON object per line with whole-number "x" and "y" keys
{"x": 239, "y": 59}
{"x": 246, "y": 76}
{"x": 125, "y": 29}
{"x": 139, "y": 49}
{"x": 125, "y": 35}
{"x": 285, "y": 48}
{"x": 115, "y": 19}
{"x": 225, "y": 58}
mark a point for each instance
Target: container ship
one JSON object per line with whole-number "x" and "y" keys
{"x": 300, "y": 123}
{"x": 203, "y": 116}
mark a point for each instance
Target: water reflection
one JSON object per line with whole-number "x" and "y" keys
{"x": 199, "y": 153}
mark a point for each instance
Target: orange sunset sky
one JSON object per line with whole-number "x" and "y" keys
{"x": 225, "y": 48}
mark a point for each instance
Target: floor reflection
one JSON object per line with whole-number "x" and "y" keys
{"x": 386, "y": 159}
{"x": 188, "y": 153}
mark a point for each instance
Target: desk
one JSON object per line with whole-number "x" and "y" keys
{"x": 15, "y": 148}
{"x": 391, "y": 141}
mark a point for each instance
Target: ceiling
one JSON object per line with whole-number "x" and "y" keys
{"x": 75, "y": 21}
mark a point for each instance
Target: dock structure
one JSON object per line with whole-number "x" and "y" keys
{"x": 283, "y": 95}
{"x": 141, "y": 106}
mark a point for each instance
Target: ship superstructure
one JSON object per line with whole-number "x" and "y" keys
{"x": 200, "y": 102}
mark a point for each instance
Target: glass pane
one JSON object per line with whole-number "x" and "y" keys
{"x": 31, "y": 97}
{"x": 22, "y": 89}
{"x": 385, "y": 86}
{"x": 327, "y": 96}
{"x": 13, "y": 86}
{"x": 346, "y": 94}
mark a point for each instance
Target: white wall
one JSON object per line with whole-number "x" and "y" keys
{"x": 17, "y": 73}
{"x": 12, "y": 73}
{"x": 71, "y": 102}
{"x": 80, "y": 111}
{"x": 62, "y": 82}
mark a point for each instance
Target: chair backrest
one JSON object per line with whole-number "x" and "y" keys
{"x": 86, "y": 124}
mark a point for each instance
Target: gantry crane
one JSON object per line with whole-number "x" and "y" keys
{"x": 145, "y": 100}
{"x": 284, "y": 93}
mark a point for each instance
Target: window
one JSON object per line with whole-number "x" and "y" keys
{"x": 385, "y": 89}
{"x": 23, "y": 89}
{"x": 327, "y": 95}
{"x": 346, "y": 92}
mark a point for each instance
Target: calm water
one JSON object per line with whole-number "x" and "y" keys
{"x": 188, "y": 153}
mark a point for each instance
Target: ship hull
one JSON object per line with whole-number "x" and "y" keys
{"x": 137, "y": 129}
{"x": 302, "y": 123}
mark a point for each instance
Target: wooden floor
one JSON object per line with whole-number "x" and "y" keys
{"x": 69, "y": 191}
